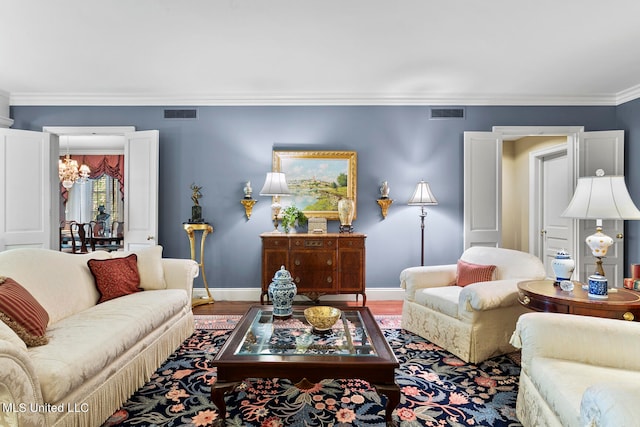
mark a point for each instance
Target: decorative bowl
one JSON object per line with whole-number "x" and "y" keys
{"x": 322, "y": 317}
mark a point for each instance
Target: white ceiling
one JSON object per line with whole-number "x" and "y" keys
{"x": 320, "y": 52}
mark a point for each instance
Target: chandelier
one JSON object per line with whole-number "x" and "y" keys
{"x": 69, "y": 173}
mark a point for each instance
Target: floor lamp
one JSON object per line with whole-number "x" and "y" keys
{"x": 422, "y": 196}
{"x": 601, "y": 197}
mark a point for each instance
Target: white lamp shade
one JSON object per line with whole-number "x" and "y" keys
{"x": 422, "y": 195}
{"x": 275, "y": 185}
{"x": 602, "y": 197}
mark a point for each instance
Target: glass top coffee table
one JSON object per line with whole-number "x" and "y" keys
{"x": 262, "y": 346}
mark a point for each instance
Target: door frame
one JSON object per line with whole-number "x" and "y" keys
{"x": 104, "y": 145}
{"x": 104, "y": 140}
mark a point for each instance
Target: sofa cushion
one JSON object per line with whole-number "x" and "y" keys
{"x": 21, "y": 312}
{"x": 60, "y": 282}
{"x": 82, "y": 345}
{"x": 469, "y": 273}
{"x": 149, "y": 267}
{"x": 443, "y": 299}
{"x": 510, "y": 263}
{"x": 115, "y": 277}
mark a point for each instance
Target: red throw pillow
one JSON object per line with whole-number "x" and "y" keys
{"x": 469, "y": 273}
{"x": 22, "y": 313}
{"x": 115, "y": 277}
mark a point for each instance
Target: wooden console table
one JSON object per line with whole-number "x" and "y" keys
{"x": 542, "y": 295}
{"x": 320, "y": 264}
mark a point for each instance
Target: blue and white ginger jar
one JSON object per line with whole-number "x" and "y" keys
{"x": 563, "y": 266}
{"x": 281, "y": 291}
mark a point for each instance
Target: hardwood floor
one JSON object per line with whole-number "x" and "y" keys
{"x": 240, "y": 307}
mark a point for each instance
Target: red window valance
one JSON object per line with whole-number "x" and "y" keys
{"x": 112, "y": 165}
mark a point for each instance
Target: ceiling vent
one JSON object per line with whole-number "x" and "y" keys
{"x": 181, "y": 114}
{"x": 447, "y": 113}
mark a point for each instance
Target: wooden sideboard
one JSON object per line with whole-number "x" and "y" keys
{"x": 320, "y": 264}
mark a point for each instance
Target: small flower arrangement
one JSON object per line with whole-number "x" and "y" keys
{"x": 292, "y": 217}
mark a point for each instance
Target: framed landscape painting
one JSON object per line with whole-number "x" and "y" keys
{"x": 318, "y": 179}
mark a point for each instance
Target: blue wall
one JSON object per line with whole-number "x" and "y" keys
{"x": 226, "y": 146}
{"x": 628, "y": 119}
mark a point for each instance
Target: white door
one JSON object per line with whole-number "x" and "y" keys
{"x": 601, "y": 150}
{"x": 553, "y": 191}
{"x": 29, "y": 215}
{"x": 482, "y": 189}
{"x": 141, "y": 156}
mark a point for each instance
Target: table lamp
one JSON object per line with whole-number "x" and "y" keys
{"x": 275, "y": 185}
{"x": 601, "y": 197}
{"x": 422, "y": 196}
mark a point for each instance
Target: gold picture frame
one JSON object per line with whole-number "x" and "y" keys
{"x": 318, "y": 179}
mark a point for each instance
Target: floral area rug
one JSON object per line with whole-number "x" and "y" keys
{"x": 437, "y": 389}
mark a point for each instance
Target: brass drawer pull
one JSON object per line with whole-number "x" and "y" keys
{"x": 628, "y": 316}
{"x": 329, "y": 262}
{"x": 297, "y": 262}
{"x": 329, "y": 279}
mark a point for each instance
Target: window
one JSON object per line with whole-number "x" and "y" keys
{"x": 86, "y": 198}
{"x": 105, "y": 193}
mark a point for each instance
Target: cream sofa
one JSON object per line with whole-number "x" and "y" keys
{"x": 474, "y": 322}
{"x": 98, "y": 354}
{"x": 578, "y": 371}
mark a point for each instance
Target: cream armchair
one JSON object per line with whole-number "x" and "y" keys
{"x": 474, "y": 322}
{"x": 578, "y": 371}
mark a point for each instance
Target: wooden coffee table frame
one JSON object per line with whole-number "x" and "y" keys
{"x": 378, "y": 370}
{"x": 542, "y": 295}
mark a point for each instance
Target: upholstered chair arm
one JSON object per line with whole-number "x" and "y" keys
{"x": 19, "y": 388}
{"x": 489, "y": 295}
{"x": 433, "y": 276}
{"x": 610, "y": 404}
{"x": 591, "y": 340}
{"x": 179, "y": 273}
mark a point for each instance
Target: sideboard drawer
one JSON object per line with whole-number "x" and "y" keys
{"x": 276, "y": 243}
{"x": 310, "y": 243}
{"x": 350, "y": 242}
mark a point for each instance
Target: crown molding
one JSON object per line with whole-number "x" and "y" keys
{"x": 309, "y": 99}
{"x": 628, "y": 95}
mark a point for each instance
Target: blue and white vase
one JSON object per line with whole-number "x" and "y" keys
{"x": 563, "y": 266}
{"x": 281, "y": 291}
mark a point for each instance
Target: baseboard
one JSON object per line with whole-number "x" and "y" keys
{"x": 253, "y": 294}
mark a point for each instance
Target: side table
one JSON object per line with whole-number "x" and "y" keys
{"x": 542, "y": 295}
{"x": 191, "y": 228}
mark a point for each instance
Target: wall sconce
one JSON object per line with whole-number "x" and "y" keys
{"x": 248, "y": 201}
{"x": 384, "y": 201}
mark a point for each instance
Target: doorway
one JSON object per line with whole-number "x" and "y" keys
{"x": 534, "y": 193}
{"x": 141, "y": 163}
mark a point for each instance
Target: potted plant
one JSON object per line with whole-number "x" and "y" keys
{"x": 292, "y": 217}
